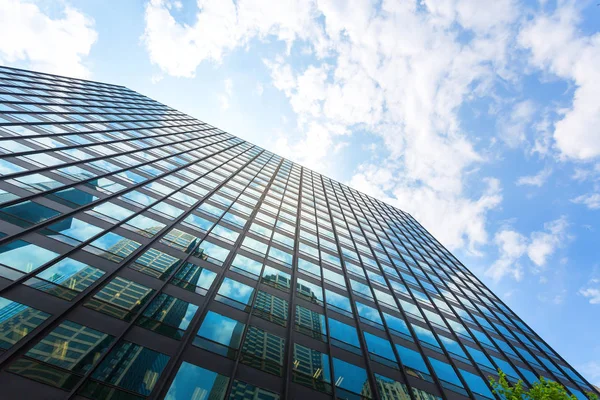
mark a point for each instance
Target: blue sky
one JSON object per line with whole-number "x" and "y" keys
{"x": 481, "y": 119}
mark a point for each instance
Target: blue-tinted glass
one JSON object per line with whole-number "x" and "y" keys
{"x": 168, "y": 315}
{"x": 22, "y": 256}
{"x": 194, "y": 278}
{"x": 238, "y": 292}
{"x": 452, "y": 346}
{"x": 245, "y": 391}
{"x": 221, "y": 329}
{"x": 193, "y": 382}
{"x": 343, "y": 332}
{"x": 281, "y": 256}
{"x": 350, "y": 377}
{"x": 412, "y": 359}
{"x": 309, "y": 291}
{"x": 26, "y": 213}
{"x": 397, "y": 325}
{"x": 368, "y": 313}
{"x": 113, "y": 247}
{"x": 246, "y": 266}
{"x": 379, "y": 346}
{"x": 445, "y": 371}
{"x": 426, "y": 337}
{"x": 338, "y": 301}
{"x": 476, "y": 384}
{"x": 529, "y": 376}
{"x": 129, "y": 366}
{"x": 311, "y": 323}
{"x": 505, "y": 367}
{"x": 17, "y": 321}
{"x": 213, "y": 253}
{"x": 274, "y": 277}
{"x": 480, "y": 357}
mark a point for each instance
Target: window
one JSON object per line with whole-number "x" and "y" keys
{"x": 397, "y": 326}
{"x": 212, "y": 253}
{"x": 17, "y": 321}
{"x": 447, "y": 376}
{"x": 413, "y": 363}
{"x": 193, "y": 382}
{"x": 276, "y": 278}
{"x": 380, "y": 350}
{"x": 245, "y": 391}
{"x": 311, "y": 323}
{"x": 220, "y": 334}
{"x": 71, "y": 231}
{"x": 155, "y": 263}
{"x": 120, "y": 298}
{"x": 194, "y": 278}
{"x": 280, "y": 257}
{"x": 263, "y": 350}
{"x": 369, "y": 315}
{"x": 26, "y": 214}
{"x": 235, "y": 294}
{"x": 246, "y": 266}
{"x": 65, "y": 279}
{"x": 168, "y": 316}
{"x": 309, "y": 291}
{"x": 19, "y": 257}
{"x": 113, "y": 247}
{"x": 476, "y": 384}
{"x": 344, "y": 336}
{"x": 397, "y": 391}
{"x": 128, "y": 366}
{"x": 350, "y": 378}
{"x": 63, "y": 356}
{"x": 311, "y": 368}
{"x": 271, "y": 308}
{"x": 338, "y": 303}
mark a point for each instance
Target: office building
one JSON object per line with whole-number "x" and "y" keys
{"x": 145, "y": 254}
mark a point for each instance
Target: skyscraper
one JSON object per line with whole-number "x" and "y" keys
{"x": 147, "y": 254}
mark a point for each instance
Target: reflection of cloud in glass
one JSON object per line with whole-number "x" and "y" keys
{"x": 221, "y": 329}
{"x": 62, "y": 270}
{"x": 214, "y": 251}
{"x": 236, "y": 290}
{"x": 113, "y": 211}
{"x": 78, "y": 230}
{"x": 192, "y": 382}
{"x": 9, "y": 168}
{"x": 24, "y": 256}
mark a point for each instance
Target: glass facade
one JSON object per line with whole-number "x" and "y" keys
{"x": 145, "y": 254}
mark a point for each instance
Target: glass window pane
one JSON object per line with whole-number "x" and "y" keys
{"x": 263, "y": 350}
{"x": 194, "y": 278}
{"x": 245, "y": 391}
{"x": 17, "y": 321}
{"x": 476, "y": 384}
{"x": 311, "y": 368}
{"x": 128, "y": 366}
{"x": 66, "y": 278}
{"x": 220, "y": 334}
{"x": 311, "y": 323}
{"x": 271, "y": 308}
{"x": 155, "y": 263}
{"x": 349, "y": 377}
{"x": 193, "y": 382}
{"x": 120, "y": 298}
{"x": 235, "y": 294}
{"x": 20, "y": 257}
{"x": 168, "y": 315}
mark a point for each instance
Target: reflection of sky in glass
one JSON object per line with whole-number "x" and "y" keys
{"x": 343, "y": 332}
{"x": 142, "y": 222}
{"x": 214, "y": 251}
{"x": 445, "y": 372}
{"x": 337, "y": 300}
{"x": 476, "y": 384}
{"x": 349, "y": 376}
{"x": 221, "y": 329}
{"x": 255, "y": 245}
{"x": 9, "y": 168}
{"x": 412, "y": 359}
{"x": 379, "y": 346}
{"x": 192, "y": 382}
{"x": 236, "y": 290}
{"x": 63, "y": 270}
{"x": 368, "y": 312}
{"x": 309, "y": 289}
{"x": 280, "y": 255}
{"x": 198, "y": 222}
{"x": 167, "y": 209}
{"x": 247, "y": 264}
{"x": 112, "y": 210}
{"x": 110, "y": 239}
{"x": 24, "y": 256}
{"x": 79, "y": 230}
{"x": 139, "y": 198}
{"x": 225, "y": 233}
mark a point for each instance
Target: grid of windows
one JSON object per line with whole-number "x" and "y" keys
{"x": 146, "y": 254}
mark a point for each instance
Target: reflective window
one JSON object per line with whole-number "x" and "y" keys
{"x": 350, "y": 378}
{"x": 155, "y": 263}
{"x": 220, "y": 334}
{"x": 263, "y": 350}
{"x": 128, "y": 366}
{"x": 380, "y": 350}
{"x": 245, "y": 391}
{"x": 65, "y": 279}
{"x": 246, "y": 266}
{"x": 17, "y": 321}
{"x": 235, "y": 294}
{"x": 168, "y": 315}
{"x": 397, "y": 326}
{"x": 71, "y": 347}
{"x": 344, "y": 336}
{"x": 311, "y": 323}
{"x": 212, "y": 253}
{"x": 120, "y": 298}
{"x": 476, "y": 384}
{"x": 113, "y": 247}
{"x": 27, "y": 213}
{"x": 413, "y": 362}
{"x": 194, "y": 278}
{"x": 309, "y": 291}
{"x": 447, "y": 376}
{"x": 19, "y": 257}
{"x": 193, "y": 382}
{"x": 311, "y": 368}
{"x": 271, "y": 308}
{"x": 276, "y": 278}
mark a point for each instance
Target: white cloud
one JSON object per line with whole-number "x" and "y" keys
{"x": 592, "y": 291}
{"x": 512, "y": 130}
{"x": 29, "y": 38}
{"x": 535, "y": 180}
{"x": 538, "y": 247}
{"x": 591, "y": 370}
{"x": 590, "y": 200}
{"x": 558, "y": 47}
{"x": 224, "y": 98}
